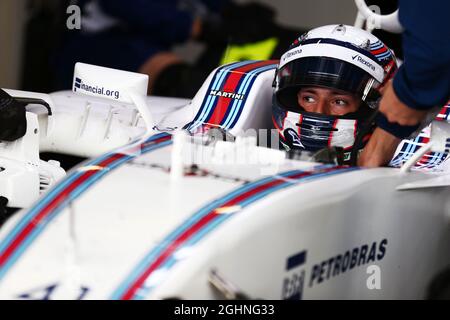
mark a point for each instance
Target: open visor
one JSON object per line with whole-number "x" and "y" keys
{"x": 323, "y": 72}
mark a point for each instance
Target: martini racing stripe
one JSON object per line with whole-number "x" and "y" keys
{"x": 233, "y": 81}
{"x": 215, "y": 85}
{"x": 227, "y": 92}
{"x": 444, "y": 114}
{"x": 240, "y": 82}
{"x": 229, "y": 122}
{"x": 431, "y": 160}
{"x": 379, "y": 50}
{"x": 48, "y": 207}
{"x": 140, "y": 282}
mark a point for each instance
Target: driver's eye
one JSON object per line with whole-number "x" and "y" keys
{"x": 309, "y": 99}
{"x": 341, "y": 102}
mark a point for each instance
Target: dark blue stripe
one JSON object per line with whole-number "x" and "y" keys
{"x": 200, "y": 111}
{"x": 343, "y": 44}
{"x": 296, "y": 260}
{"x": 229, "y": 109}
{"x": 243, "y": 102}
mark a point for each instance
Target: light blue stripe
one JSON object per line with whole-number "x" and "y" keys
{"x": 210, "y": 100}
{"x": 383, "y": 55}
{"x": 435, "y": 160}
{"x": 31, "y": 214}
{"x": 131, "y": 278}
{"x": 140, "y": 268}
{"x": 411, "y": 145}
{"x": 243, "y": 90}
{"x": 189, "y": 223}
{"x": 219, "y": 202}
{"x": 185, "y": 226}
{"x": 195, "y": 238}
{"x": 222, "y": 218}
{"x": 19, "y": 251}
{"x": 40, "y": 227}
{"x": 171, "y": 261}
{"x": 376, "y": 45}
{"x": 216, "y": 86}
{"x": 50, "y": 195}
{"x": 72, "y": 196}
{"x": 237, "y": 103}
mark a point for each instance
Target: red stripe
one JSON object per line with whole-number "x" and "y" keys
{"x": 262, "y": 188}
{"x": 50, "y": 207}
{"x": 378, "y": 51}
{"x": 170, "y": 249}
{"x": 61, "y": 197}
{"x": 201, "y": 223}
{"x": 299, "y": 128}
{"x": 230, "y": 85}
{"x": 280, "y": 131}
{"x": 331, "y": 133}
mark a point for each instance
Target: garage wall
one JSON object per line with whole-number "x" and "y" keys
{"x": 12, "y": 16}
{"x": 300, "y": 14}
{"x": 306, "y": 14}
{"x": 295, "y": 13}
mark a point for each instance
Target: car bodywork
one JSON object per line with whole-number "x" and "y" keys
{"x": 156, "y": 214}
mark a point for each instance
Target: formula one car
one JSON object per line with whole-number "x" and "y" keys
{"x": 170, "y": 215}
{"x": 177, "y": 200}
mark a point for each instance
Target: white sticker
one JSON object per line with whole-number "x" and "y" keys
{"x": 108, "y": 83}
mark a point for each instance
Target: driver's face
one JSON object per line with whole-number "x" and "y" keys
{"x": 327, "y": 101}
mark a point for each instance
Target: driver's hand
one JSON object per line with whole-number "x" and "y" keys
{"x": 379, "y": 150}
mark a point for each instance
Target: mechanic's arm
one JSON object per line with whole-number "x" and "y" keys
{"x": 421, "y": 83}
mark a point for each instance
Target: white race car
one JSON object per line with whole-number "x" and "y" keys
{"x": 170, "y": 215}
{"x": 155, "y": 213}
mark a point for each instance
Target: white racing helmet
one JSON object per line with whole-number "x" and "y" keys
{"x": 337, "y": 57}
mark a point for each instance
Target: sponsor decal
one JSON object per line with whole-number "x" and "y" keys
{"x": 48, "y": 292}
{"x": 292, "y": 53}
{"x": 293, "y": 137}
{"x": 80, "y": 85}
{"x": 233, "y": 81}
{"x": 363, "y": 61}
{"x": 232, "y": 95}
{"x": 297, "y": 276}
{"x": 294, "y": 281}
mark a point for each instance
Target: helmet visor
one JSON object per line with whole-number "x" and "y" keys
{"x": 323, "y": 72}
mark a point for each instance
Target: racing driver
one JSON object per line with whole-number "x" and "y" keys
{"x": 327, "y": 89}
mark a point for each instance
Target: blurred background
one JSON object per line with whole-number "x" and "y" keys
{"x": 38, "y": 51}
